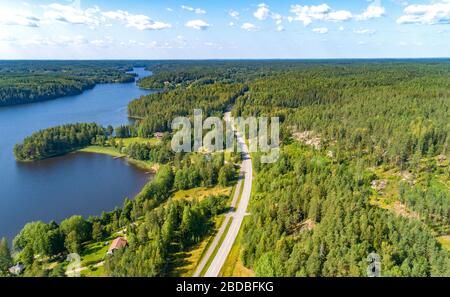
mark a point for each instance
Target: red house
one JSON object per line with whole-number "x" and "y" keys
{"x": 117, "y": 244}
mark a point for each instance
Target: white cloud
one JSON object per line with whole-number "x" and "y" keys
{"x": 436, "y": 13}
{"x": 323, "y": 12}
{"x": 72, "y": 14}
{"x": 234, "y": 14}
{"x": 249, "y": 27}
{"x": 18, "y": 18}
{"x": 339, "y": 16}
{"x": 231, "y": 24}
{"x": 322, "y": 30}
{"x": 197, "y": 24}
{"x": 262, "y": 12}
{"x": 138, "y": 21}
{"x": 373, "y": 11}
{"x": 192, "y": 9}
{"x": 365, "y": 31}
{"x": 280, "y": 28}
{"x": 341, "y": 28}
{"x": 93, "y": 17}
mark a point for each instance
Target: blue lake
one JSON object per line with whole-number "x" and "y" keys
{"x": 79, "y": 183}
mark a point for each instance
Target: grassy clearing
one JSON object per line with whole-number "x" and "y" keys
{"x": 113, "y": 152}
{"x": 103, "y": 150}
{"x": 445, "y": 241}
{"x": 201, "y": 193}
{"x": 94, "y": 252}
{"x": 146, "y": 165}
{"x": 93, "y": 272}
{"x": 233, "y": 266}
{"x": 128, "y": 141}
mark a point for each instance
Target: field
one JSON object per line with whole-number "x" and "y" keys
{"x": 201, "y": 192}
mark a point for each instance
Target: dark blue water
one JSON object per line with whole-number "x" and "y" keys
{"x": 81, "y": 183}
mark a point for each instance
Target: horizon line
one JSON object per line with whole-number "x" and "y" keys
{"x": 228, "y": 59}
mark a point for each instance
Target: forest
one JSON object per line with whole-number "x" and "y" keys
{"x": 155, "y": 112}
{"x": 348, "y": 126}
{"x": 314, "y": 207}
{"x": 24, "y": 82}
{"x": 59, "y": 140}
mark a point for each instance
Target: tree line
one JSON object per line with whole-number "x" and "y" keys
{"x": 155, "y": 112}
{"x": 24, "y": 82}
{"x": 58, "y": 140}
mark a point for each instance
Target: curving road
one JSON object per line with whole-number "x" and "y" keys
{"x": 237, "y": 214}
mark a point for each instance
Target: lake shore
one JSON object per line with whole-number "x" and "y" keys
{"x": 115, "y": 153}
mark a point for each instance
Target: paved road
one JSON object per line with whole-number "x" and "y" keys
{"x": 237, "y": 214}
{"x": 219, "y": 234}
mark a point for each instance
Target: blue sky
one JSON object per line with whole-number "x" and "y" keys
{"x": 152, "y": 29}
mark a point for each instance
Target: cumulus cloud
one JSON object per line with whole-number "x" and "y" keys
{"x": 72, "y": 14}
{"x": 234, "y": 14}
{"x": 373, "y": 11}
{"x": 262, "y": 12}
{"x": 18, "y": 18}
{"x": 138, "y": 21}
{"x": 323, "y": 12}
{"x": 192, "y": 9}
{"x": 197, "y": 24}
{"x": 249, "y": 27}
{"x": 322, "y": 30}
{"x": 339, "y": 16}
{"x": 93, "y": 17}
{"x": 432, "y": 14}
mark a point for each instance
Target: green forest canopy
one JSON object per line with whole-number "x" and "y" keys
{"x": 312, "y": 208}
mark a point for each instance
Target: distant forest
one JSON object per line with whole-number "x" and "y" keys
{"x": 24, "y": 82}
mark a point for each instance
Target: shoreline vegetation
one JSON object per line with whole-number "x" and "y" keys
{"x": 25, "y": 83}
{"x": 116, "y": 154}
